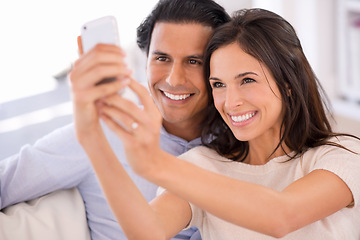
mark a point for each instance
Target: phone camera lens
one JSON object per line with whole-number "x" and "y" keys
{"x": 84, "y": 27}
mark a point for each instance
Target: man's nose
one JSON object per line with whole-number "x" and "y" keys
{"x": 176, "y": 75}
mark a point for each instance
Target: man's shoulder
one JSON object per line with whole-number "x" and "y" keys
{"x": 63, "y": 136}
{"x": 175, "y": 145}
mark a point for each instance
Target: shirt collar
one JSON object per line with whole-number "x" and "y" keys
{"x": 194, "y": 142}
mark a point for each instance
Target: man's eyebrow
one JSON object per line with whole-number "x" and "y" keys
{"x": 198, "y": 56}
{"x": 156, "y": 52}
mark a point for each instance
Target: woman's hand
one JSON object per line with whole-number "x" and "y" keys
{"x": 137, "y": 126}
{"x": 103, "y": 61}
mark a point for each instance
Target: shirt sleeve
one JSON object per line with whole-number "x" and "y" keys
{"x": 344, "y": 163}
{"x": 54, "y": 162}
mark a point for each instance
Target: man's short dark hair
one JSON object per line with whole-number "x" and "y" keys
{"x": 206, "y": 12}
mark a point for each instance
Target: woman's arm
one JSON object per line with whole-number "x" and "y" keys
{"x": 311, "y": 198}
{"x": 136, "y": 216}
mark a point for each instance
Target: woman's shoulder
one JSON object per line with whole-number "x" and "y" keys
{"x": 200, "y": 151}
{"x": 340, "y": 155}
{"x": 346, "y": 139}
{"x": 341, "y": 143}
{"x": 203, "y": 156}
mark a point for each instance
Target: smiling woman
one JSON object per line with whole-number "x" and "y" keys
{"x": 245, "y": 93}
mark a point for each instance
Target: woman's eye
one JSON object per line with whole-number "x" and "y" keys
{"x": 217, "y": 84}
{"x": 248, "y": 80}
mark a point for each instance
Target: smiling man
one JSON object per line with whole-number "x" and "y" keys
{"x": 175, "y": 76}
{"x": 173, "y": 37}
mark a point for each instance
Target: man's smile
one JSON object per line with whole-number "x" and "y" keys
{"x": 177, "y": 97}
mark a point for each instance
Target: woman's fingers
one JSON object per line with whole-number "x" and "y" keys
{"x": 99, "y": 72}
{"x": 143, "y": 95}
{"x": 140, "y": 123}
{"x": 147, "y": 114}
{"x": 137, "y": 126}
{"x": 80, "y": 45}
{"x": 103, "y": 61}
{"x": 114, "y": 126}
{"x": 90, "y": 95}
{"x": 118, "y": 117}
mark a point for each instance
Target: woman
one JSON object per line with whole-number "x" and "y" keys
{"x": 272, "y": 166}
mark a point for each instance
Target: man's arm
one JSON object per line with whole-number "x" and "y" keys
{"x": 54, "y": 162}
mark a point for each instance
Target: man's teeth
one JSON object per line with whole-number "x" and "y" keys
{"x": 177, "y": 97}
{"x": 242, "y": 117}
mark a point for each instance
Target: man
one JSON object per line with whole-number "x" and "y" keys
{"x": 174, "y": 37}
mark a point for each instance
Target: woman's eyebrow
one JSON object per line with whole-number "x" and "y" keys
{"x": 214, "y": 79}
{"x": 240, "y": 75}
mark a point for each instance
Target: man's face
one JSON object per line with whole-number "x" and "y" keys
{"x": 175, "y": 72}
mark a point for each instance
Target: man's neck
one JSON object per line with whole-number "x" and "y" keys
{"x": 185, "y": 131}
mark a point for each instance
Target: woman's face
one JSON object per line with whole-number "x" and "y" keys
{"x": 245, "y": 94}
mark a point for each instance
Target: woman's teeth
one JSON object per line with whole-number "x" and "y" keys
{"x": 242, "y": 118}
{"x": 176, "y": 97}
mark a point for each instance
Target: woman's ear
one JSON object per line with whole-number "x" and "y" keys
{"x": 288, "y": 92}
{"x": 80, "y": 45}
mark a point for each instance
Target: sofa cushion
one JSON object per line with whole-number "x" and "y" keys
{"x": 57, "y": 216}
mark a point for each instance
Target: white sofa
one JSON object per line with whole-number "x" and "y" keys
{"x": 57, "y": 216}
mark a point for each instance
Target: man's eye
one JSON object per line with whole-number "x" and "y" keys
{"x": 161, "y": 59}
{"x": 193, "y": 61}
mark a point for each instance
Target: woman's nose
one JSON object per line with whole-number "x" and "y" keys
{"x": 233, "y": 98}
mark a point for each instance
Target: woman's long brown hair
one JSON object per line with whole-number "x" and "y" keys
{"x": 273, "y": 41}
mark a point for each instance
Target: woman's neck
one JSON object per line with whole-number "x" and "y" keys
{"x": 261, "y": 152}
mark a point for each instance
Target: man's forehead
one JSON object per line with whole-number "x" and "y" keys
{"x": 185, "y": 38}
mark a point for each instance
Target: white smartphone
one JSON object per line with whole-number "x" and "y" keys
{"x": 101, "y": 30}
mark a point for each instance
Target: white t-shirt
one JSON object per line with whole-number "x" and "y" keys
{"x": 278, "y": 174}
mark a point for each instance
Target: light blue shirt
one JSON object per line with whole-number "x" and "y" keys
{"x": 57, "y": 161}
